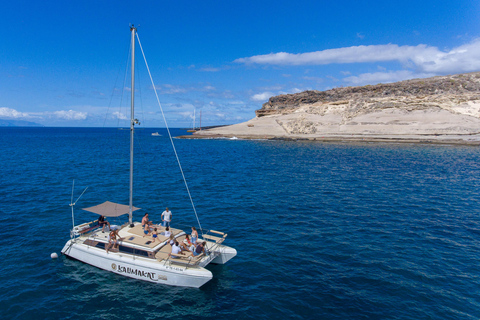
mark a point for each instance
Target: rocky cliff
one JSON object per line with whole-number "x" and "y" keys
{"x": 444, "y": 107}
{"x": 458, "y": 88}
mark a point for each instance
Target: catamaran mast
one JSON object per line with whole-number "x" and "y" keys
{"x": 132, "y": 122}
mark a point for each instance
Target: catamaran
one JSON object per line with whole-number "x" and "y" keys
{"x": 137, "y": 256}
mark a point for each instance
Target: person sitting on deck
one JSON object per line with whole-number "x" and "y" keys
{"x": 112, "y": 240}
{"x": 175, "y": 250}
{"x": 154, "y": 234}
{"x": 102, "y": 223}
{"x": 167, "y": 232}
{"x": 145, "y": 220}
{"x": 199, "y": 249}
{"x": 187, "y": 244}
{"x": 146, "y": 230}
{"x": 172, "y": 240}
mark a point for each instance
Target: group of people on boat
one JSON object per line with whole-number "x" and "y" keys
{"x": 148, "y": 225}
{"x": 166, "y": 219}
{"x": 189, "y": 245}
{"x": 113, "y": 237}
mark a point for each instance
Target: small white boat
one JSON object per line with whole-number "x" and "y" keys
{"x": 139, "y": 256}
{"x": 156, "y": 134}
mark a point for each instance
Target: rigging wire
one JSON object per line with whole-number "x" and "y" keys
{"x": 113, "y": 93}
{"x": 169, "y": 134}
{"x": 123, "y": 88}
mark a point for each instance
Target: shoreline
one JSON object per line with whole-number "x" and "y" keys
{"x": 414, "y": 139}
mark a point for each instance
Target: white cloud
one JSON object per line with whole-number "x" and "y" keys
{"x": 317, "y": 79}
{"x": 384, "y": 77}
{"x": 423, "y": 58}
{"x": 12, "y": 113}
{"x": 356, "y": 54}
{"x": 63, "y": 114}
{"x": 262, "y": 96}
{"x": 296, "y": 90}
{"x": 171, "y": 89}
{"x": 209, "y": 69}
{"x": 186, "y": 114}
{"x": 70, "y": 115}
{"x": 119, "y": 115}
{"x": 236, "y": 102}
{"x": 178, "y": 89}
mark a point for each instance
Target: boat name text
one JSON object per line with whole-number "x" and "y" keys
{"x": 136, "y": 272}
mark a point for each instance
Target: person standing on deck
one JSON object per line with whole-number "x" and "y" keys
{"x": 194, "y": 235}
{"x": 166, "y": 217}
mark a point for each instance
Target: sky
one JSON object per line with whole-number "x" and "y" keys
{"x": 63, "y": 63}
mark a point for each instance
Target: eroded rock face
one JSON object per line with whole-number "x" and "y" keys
{"x": 298, "y": 126}
{"x": 446, "y": 107}
{"x": 442, "y": 91}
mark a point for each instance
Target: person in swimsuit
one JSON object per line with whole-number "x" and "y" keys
{"x": 112, "y": 240}
{"x": 194, "y": 235}
{"x": 154, "y": 234}
{"x": 145, "y": 220}
{"x": 102, "y": 222}
{"x": 146, "y": 230}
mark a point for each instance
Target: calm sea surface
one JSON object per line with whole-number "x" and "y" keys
{"x": 323, "y": 231}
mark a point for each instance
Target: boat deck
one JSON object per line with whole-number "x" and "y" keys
{"x": 136, "y": 235}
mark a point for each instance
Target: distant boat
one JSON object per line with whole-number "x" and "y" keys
{"x": 156, "y": 134}
{"x": 200, "y": 127}
{"x": 193, "y": 127}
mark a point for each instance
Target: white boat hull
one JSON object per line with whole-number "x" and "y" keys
{"x": 138, "y": 267}
{"x": 223, "y": 254}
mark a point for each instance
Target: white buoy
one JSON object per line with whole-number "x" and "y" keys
{"x": 54, "y": 255}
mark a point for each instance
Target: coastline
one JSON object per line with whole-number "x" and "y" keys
{"x": 427, "y": 139}
{"x": 437, "y": 110}
{"x": 457, "y": 131}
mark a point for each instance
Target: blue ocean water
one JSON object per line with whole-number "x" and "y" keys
{"x": 322, "y": 230}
